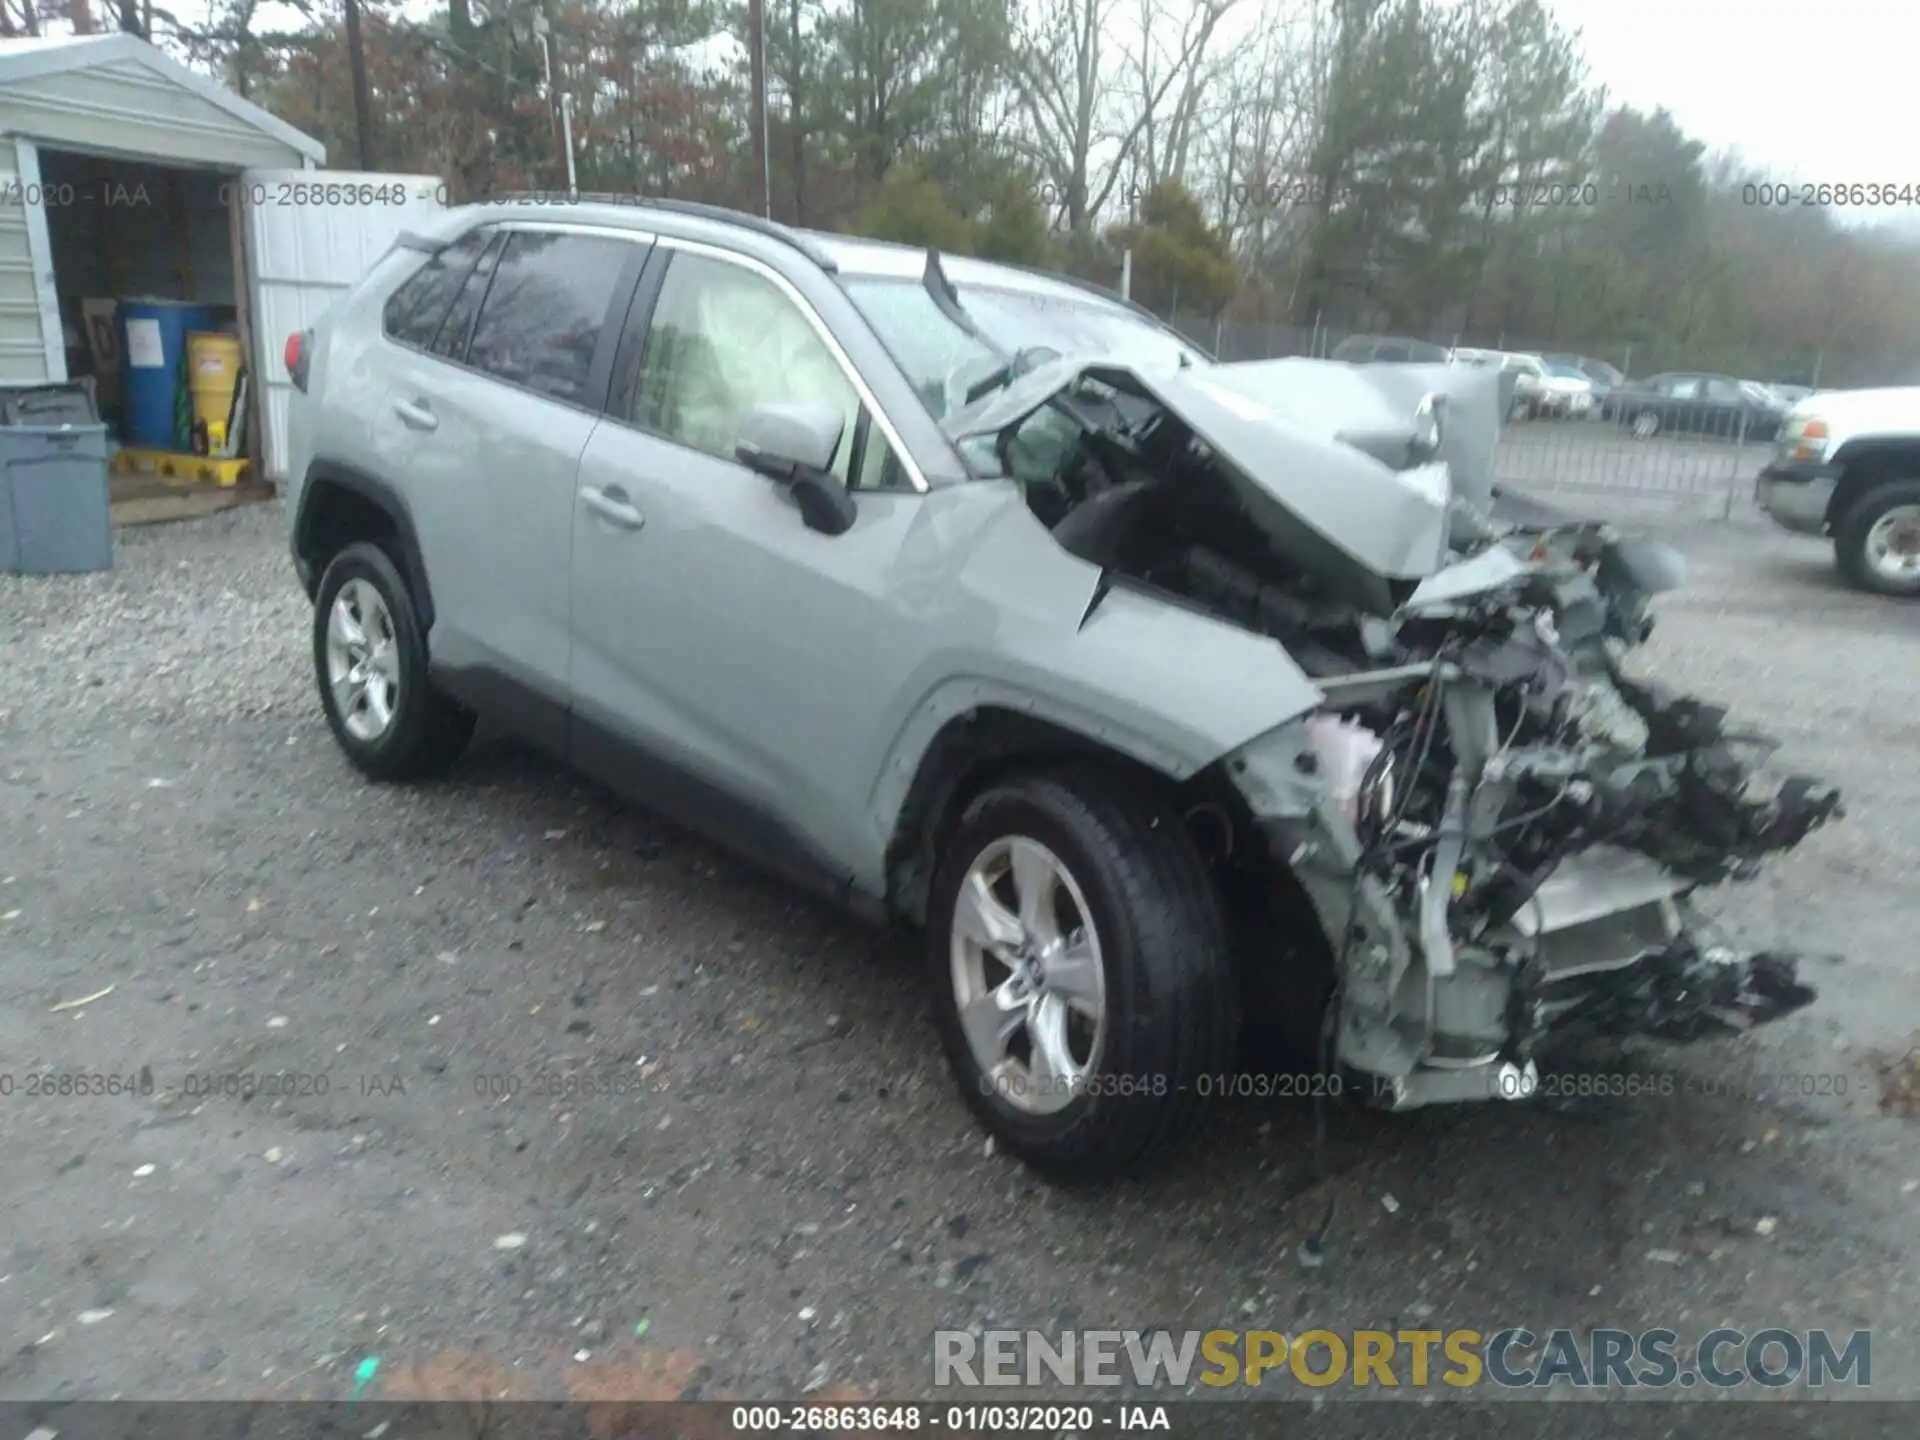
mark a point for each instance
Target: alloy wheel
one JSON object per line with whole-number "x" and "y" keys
{"x": 363, "y": 661}
{"x": 1028, "y": 980}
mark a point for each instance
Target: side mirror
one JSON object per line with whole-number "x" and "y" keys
{"x": 793, "y": 445}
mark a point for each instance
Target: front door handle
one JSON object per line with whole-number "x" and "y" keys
{"x": 416, "y": 415}
{"x": 612, "y": 506}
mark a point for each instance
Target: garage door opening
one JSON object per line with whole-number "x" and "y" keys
{"x": 144, "y": 256}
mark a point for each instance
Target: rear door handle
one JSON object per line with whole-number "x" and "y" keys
{"x": 612, "y": 506}
{"x": 416, "y": 415}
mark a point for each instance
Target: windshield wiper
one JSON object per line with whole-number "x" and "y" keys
{"x": 1027, "y": 357}
{"x": 946, "y": 299}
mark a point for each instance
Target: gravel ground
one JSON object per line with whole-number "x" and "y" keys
{"x": 582, "y": 1107}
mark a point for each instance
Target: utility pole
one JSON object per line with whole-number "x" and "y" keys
{"x": 541, "y": 29}
{"x": 757, "y": 44}
{"x": 362, "y": 105}
{"x": 795, "y": 108}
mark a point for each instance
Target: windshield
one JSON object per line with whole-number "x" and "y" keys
{"x": 943, "y": 361}
{"x": 1565, "y": 372}
{"x": 1756, "y": 391}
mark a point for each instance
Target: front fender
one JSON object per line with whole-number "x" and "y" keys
{"x": 1142, "y": 678}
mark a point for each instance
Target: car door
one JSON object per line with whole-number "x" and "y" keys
{"x": 731, "y": 665}
{"x": 427, "y": 321}
{"x": 500, "y": 416}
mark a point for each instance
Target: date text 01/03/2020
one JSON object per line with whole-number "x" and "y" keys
{"x": 1211, "y": 1086}
{"x": 953, "y": 1419}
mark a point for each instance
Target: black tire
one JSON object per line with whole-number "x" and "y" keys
{"x": 1172, "y": 1001}
{"x": 1652, "y": 417}
{"x": 1850, "y": 533}
{"x": 429, "y": 731}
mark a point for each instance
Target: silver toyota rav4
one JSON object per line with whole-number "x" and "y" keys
{"x": 1169, "y": 698}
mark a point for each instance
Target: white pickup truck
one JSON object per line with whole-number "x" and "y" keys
{"x": 1847, "y": 465}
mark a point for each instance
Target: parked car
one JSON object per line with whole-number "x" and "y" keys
{"x": 1160, "y": 694}
{"x": 1848, "y": 466}
{"x": 1714, "y": 405}
{"x": 1388, "y": 349}
{"x": 1537, "y": 390}
{"x": 1603, "y": 375}
{"x": 1567, "y": 393}
{"x": 1791, "y": 394}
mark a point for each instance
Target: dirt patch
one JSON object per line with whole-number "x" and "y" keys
{"x": 1900, "y": 1082}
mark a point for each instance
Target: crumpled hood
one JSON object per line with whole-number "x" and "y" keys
{"x": 1372, "y": 407}
{"x": 1322, "y": 457}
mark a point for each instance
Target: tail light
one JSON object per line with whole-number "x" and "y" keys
{"x": 299, "y": 354}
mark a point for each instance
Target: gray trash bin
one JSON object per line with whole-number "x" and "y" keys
{"x": 55, "y": 514}
{"x": 70, "y": 402}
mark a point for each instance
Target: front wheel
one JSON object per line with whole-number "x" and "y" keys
{"x": 1083, "y": 979}
{"x": 1877, "y": 540}
{"x": 1645, "y": 425}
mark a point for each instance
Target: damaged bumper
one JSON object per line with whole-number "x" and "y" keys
{"x": 1501, "y": 843}
{"x": 1682, "y": 992}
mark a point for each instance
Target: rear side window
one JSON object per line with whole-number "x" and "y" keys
{"x": 543, "y": 314}
{"x": 415, "y": 312}
{"x": 451, "y": 342}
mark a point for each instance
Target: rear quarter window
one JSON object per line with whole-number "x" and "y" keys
{"x": 415, "y": 312}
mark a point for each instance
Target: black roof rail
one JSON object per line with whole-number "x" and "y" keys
{"x": 746, "y": 220}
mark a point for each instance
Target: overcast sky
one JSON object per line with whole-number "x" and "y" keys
{"x": 1808, "y": 91}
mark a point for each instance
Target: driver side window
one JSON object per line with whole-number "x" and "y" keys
{"x": 724, "y": 340}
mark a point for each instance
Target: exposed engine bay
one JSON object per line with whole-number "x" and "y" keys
{"x": 1497, "y": 826}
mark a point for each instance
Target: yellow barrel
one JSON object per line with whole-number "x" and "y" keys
{"x": 213, "y": 369}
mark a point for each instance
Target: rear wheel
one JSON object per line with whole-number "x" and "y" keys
{"x": 370, "y": 661}
{"x": 1877, "y": 540}
{"x": 1083, "y": 979}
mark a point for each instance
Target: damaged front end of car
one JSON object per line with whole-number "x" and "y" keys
{"x": 1498, "y": 830}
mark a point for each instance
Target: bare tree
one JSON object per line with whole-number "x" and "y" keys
{"x": 1060, "y": 48}
{"x": 1162, "y": 60}
{"x": 1082, "y": 134}
{"x": 1257, "y": 144}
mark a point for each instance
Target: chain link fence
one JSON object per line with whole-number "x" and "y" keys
{"x": 1689, "y": 447}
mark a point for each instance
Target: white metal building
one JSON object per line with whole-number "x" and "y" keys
{"x": 124, "y": 174}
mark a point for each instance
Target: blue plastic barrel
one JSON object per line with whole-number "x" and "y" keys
{"x": 153, "y": 365}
